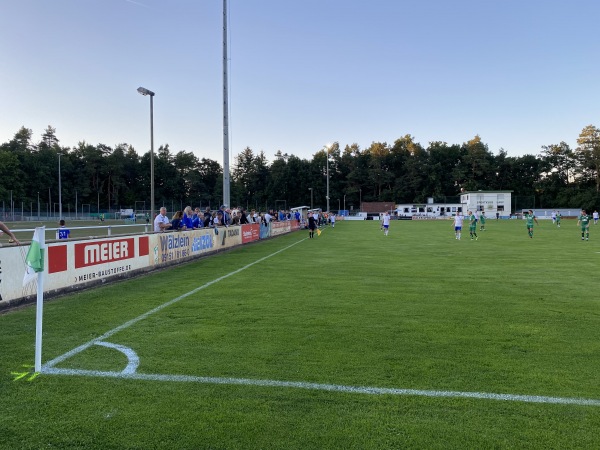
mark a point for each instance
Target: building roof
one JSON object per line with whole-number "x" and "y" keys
{"x": 486, "y": 192}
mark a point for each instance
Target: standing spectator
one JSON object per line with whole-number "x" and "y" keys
{"x": 161, "y": 221}
{"x": 207, "y": 217}
{"x": 268, "y": 217}
{"x": 63, "y": 231}
{"x": 243, "y": 217}
{"x": 186, "y": 220}
{"x": 12, "y": 237}
{"x": 197, "y": 219}
{"x": 226, "y": 219}
{"x": 217, "y": 219}
{"x": 177, "y": 221}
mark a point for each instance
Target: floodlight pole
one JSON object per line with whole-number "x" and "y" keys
{"x": 60, "y": 216}
{"x": 226, "y": 187}
{"x": 145, "y": 92}
{"x": 311, "y": 197}
{"x": 327, "y": 179}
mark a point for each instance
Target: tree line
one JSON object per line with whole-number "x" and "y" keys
{"x": 403, "y": 172}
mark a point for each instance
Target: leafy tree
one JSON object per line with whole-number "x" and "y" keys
{"x": 589, "y": 154}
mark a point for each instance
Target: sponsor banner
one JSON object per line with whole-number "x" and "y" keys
{"x": 12, "y": 270}
{"x": 170, "y": 247}
{"x": 278, "y": 228}
{"x": 295, "y": 225}
{"x": 79, "y": 262}
{"x": 265, "y": 231}
{"x": 250, "y": 233}
{"x": 68, "y": 264}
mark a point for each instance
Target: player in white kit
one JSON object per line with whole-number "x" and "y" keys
{"x": 457, "y": 224}
{"x": 385, "y": 223}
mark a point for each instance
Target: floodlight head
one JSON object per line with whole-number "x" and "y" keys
{"x": 145, "y": 91}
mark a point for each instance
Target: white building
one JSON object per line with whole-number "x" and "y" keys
{"x": 428, "y": 210}
{"x": 491, "y": 202}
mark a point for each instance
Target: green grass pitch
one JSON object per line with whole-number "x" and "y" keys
{"x": 348, "y": 320}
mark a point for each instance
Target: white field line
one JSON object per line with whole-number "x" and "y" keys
{"x": 108, "y": 334}
{"x": 327, "y": 387}
{"x": 129, "y": 372}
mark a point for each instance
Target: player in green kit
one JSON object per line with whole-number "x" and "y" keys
{"x": 472, "y": 225}
{"x": 584, "y": 221}
{"x": 482, "y": 221}
{"x": 558, "y": 217}
{"x": 530, "y": 218}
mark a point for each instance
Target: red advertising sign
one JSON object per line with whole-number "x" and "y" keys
{"x": 102, "y": 252}
{"x": 250, "y": 233}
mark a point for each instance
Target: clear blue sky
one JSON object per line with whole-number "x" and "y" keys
{"x": 303, "y": 73}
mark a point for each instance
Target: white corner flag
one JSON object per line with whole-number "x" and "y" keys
{"x": 34, "y": 261}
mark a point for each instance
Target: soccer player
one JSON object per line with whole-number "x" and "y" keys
{"x": 332, "y": 220}
{"x": 385, "y": 223}
{"x": 482, "y": 221}
{"x": 458, "y": 221}
{"x": 553, "y": 215}
{"x": 584, "y": 221}
{"x": 472, "y": 225}
{"x": 530, "y": 218}
{"x": 595, "y": 216}
{"x": 558, "y": 217}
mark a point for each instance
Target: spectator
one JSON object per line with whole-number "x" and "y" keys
{"x": 177, "y": 221}
{"x": 224, "y": 218}
{"x": 219, "y": 219}
{"x": 207, "y": 217}
{"x": 267, "y": 218}
{"x": 186, "y": 220}
{"x": 197, "y": 219}
{"x": 161, "y": 221}
{"x": 243, "y": 218}
{"x": 63, "y": 231}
